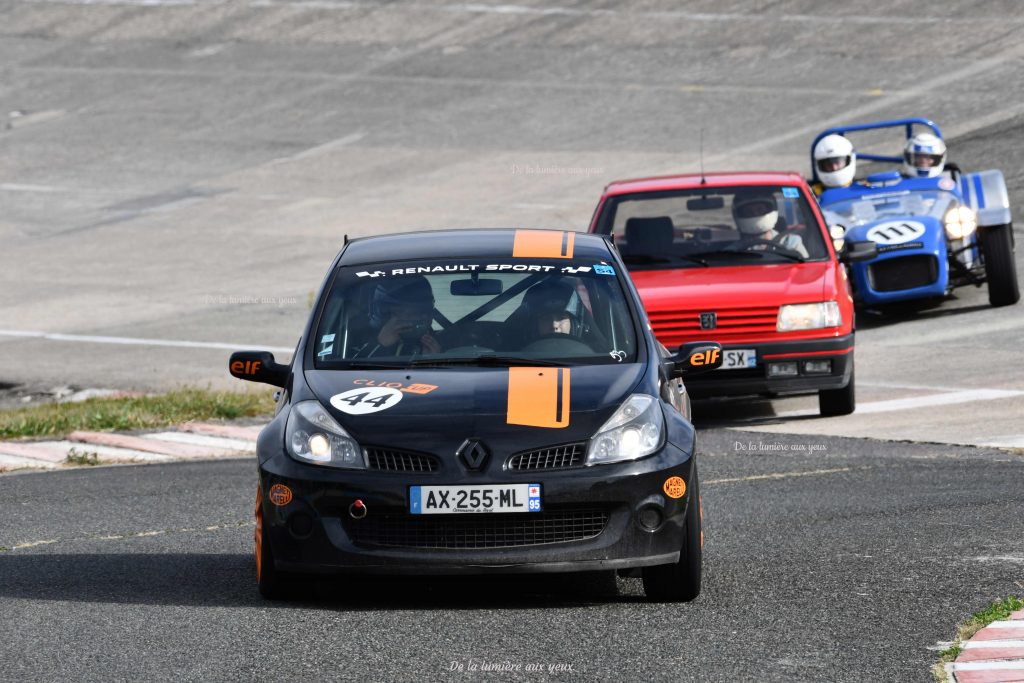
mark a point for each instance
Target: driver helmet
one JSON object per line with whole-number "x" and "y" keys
{"x": 755, "y": 212}
{"x": 548, "y": 305}
{"x": 924, "y": 156}
{"x": 835, "y": 161}
{"x": 408, "y": 297}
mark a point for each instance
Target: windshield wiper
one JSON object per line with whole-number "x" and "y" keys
{"x": 759, "y": 254}
{"x": 356, "y": 365}
{"x": 646, "y": 258}
{"x": 486, "y": 360}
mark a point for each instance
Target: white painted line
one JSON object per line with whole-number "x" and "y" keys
{"x": 967, "y": 396}
{"x": 32, "y": 544}
{"x": 989, "y": 666}
{"x": 1019, "y": 623}
{"x": 319, "y": 149}
{"x": 778, "y": 475}
{"x": 1015, "y": 441}
{"x": 953, "y": 333}
{"x": 983, "y": 644}
{"x": 202, "y": 440}
{"x": 945, "y": 399}
{"x": 540, "y": 10}
{"x": 134, "y": 341}
{"x": 21, "y": 187}
{"x": 1012, "y": 559}
{"x": 913, "y": 387}
{"x": 11, "y": 461}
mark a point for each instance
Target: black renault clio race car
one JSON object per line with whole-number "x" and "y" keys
{"x": 479, "y": 401}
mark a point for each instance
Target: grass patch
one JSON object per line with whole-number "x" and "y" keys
{"x": 999, "y": 610}
{"x": 138, "y": 412}
{"x": 77, "y": 457}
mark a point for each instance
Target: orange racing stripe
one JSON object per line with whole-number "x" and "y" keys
{"x": 538, "y": 397}
{"x": 543, "y": 244}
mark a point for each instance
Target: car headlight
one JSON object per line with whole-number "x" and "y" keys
{"x": 635, "y": 430}
{"x": 312, "y": 435}
{"x": 960, "y": 222}
{"x": 838, "y": 234}
{"x": 809, "y": 316}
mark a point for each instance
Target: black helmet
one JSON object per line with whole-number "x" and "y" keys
{"x": 412, "y": 291}
{"x": 551, "y": 297}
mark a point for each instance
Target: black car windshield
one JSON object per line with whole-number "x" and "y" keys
{"x": 708, "y": 227}
{"x": 475, "y": 312}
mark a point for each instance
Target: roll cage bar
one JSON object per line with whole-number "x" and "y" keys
{"x": 908, "y": 124}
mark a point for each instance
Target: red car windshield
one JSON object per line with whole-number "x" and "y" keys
{"x": 720, "y": 226}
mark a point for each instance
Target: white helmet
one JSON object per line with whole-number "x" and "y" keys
{"x": 835, "y": 161}
{"x": 924, "y": 156}
{"x": 755, "y": 212}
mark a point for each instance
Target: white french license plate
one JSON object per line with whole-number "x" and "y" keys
{"x": 446, "y": 500}
{"x": 739, "y": 359}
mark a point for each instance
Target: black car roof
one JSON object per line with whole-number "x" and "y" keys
{"x": 492, "y": 243}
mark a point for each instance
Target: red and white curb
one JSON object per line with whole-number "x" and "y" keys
{"x": 188, "y": 441}
{"x": 995, "y": 654}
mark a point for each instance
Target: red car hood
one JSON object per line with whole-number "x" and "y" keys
{"x": 733, "y": 286}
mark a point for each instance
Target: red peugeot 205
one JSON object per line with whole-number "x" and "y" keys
{"x": 745, "y": 259}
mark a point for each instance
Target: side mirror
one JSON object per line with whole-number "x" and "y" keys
{"x": 858, "y": 251}
{"x": 258, "y": 366}
{"x": 696, "y": 357}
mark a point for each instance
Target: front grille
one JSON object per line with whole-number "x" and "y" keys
{"x": 390, "y": 460}
{"x": 556, "y": 457}
{"x": 675, "y": 327}
{"x": 475, "y": 531}
{"x": 905, "y": 272}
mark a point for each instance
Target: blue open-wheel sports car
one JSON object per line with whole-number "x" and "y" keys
{"x": 933, "y": 234}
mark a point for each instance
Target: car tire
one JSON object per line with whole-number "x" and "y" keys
{"x": 833, "y": 402}
{"x": 1000, "y": 267}
{"x": 680, "y": 582}
{"x": 272, "y": 583}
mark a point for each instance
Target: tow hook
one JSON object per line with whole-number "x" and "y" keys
{"x": 358, "y": 509}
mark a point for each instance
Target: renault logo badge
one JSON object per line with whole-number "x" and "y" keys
{"x": 708, "y": 321}
{"x": 473, "y": 454}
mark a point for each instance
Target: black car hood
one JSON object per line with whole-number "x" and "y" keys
{"x": 511, "y": 409}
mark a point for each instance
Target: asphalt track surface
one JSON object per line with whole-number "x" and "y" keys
{"x": 184, "y": 171}
{"x": 843, "y": 565}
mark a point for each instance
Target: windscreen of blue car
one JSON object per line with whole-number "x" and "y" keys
{"x": 708, "y": 227}
{"x": 874, "y": 207}
{"x": 460, "y": 311}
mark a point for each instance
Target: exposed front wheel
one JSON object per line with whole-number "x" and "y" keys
{"x": 680, "y": 582}
{"x": 832, "y": 402}
{"x": 1000, "y": 267}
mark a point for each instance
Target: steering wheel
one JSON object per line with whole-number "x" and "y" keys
{"x": 563, "y": 344}
{"x": 771, "y": 244}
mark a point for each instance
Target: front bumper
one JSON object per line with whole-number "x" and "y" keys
{"x": 315, "y": 533}
{"x": 757, "y": 381}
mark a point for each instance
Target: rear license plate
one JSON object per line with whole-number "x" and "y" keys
{"x": 446, "y": 500}
{"x": 739, "y": 359}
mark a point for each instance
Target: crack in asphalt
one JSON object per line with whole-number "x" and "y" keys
{"x": 126, "y": 535}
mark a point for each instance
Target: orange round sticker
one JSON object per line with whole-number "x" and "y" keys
{"x": 674, "y": 487}
{"x": 282, "y": 495}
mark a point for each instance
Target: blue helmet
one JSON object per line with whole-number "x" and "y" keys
{"x": 924, "y": 156}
